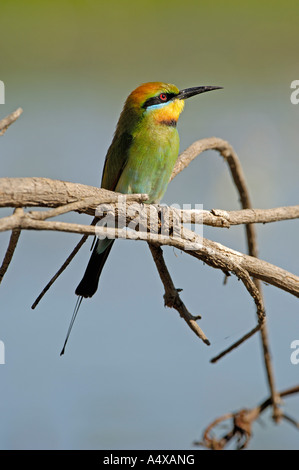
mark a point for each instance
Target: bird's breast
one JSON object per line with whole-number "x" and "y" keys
{"x": 150, "y": 162}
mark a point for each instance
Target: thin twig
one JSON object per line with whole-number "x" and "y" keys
{"x": 241, "y": 424}
{"x": 255, "y": 293}
{"x": 236, "y": 344}
{"x": 239, "y": 179}
{"x": 10, "y": 119}
{"x": 226, "y": 150}
{"x": 15, "y": 234}
{"x": 72, "y": 206}
{"x": 171, "y": 296}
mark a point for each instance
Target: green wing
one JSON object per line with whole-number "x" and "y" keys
{"x": 116, "y": 160}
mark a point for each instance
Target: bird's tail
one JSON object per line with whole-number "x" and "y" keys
{"x": 90, "y": 280}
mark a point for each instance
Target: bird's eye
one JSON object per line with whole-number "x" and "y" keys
{"x": 163, "y": 97}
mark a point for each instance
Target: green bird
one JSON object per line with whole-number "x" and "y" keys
{"x": 140, "y": 159}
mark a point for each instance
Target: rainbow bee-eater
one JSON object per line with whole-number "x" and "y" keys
{"x": 140, "y": 158}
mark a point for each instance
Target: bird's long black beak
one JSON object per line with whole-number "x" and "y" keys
{"x": 196, "y": 90}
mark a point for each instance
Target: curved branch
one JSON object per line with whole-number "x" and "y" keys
{"x": 214, "y": 254}
{"x": 228, "y": 153}
{"x": 63, "y": 197}
{"x": 10, "y": 119}
{"x": 241, "y": 423}
{"x": 45, "y": 192}
{"x": 171, "y": 296}
{"x": 14, "y": 238}
{"x": 66, "y": 197}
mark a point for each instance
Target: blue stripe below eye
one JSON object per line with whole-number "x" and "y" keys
{"x": 159, "y": 105}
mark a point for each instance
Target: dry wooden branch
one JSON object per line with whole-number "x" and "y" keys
{"x": 252, "y": 216}
{"x": 171, "y": 297}
{"x": 10, "y": 119}
{"x": 66, "y": 196}
{"x": 44, "y": 192}
{"x": 63, "y": 197}
{"x": 15, "y": 234}
{"x": 228, "y": 153}
{"x": 241, "y": 423}
{"x": 214, "y": 254}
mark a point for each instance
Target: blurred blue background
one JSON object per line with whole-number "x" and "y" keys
{"x": 134, "y": 376}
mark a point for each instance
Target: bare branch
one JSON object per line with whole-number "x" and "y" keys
{"x": 171, "y": 296}
{"x": 66, "y": 197}
{"x": 241, "y": 424}
{"x": 214, "y": 254}
{"x": 236, "y": 344}
{"x": 253, "y": 216}
{"x": 226, "y": 151}
{"x": 10, "y": 119}
{"x": 228, "y": 260}
{"x": 15, "y": 234}
{"x": 44, "y": 192}
{"x": 63, "y": 197}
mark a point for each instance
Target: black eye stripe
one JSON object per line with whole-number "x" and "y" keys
{"x": 157, "y": 100}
